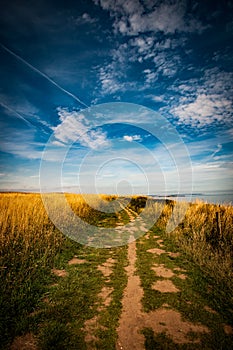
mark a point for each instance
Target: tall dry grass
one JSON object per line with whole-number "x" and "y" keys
{"x": 29, "y": 242}
{"x": 205, "y": 233}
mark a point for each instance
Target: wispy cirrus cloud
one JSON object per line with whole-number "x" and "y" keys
{"x": 21, "y": 108}
{"x": 23, "y": 147}
{"x": 42, "y": 74}
{"x": 85, "y": 18}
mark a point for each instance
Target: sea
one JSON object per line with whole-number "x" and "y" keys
{"x": 216, "y": 197}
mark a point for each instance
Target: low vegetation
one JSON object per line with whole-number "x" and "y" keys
{"x": 31, "y": 246}
{"x": 193, "y": 294}
{"x": 206, "y": 235}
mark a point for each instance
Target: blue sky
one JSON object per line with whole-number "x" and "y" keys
{"x": 116, "y": 96}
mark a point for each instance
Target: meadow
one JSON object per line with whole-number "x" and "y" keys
{"x": 205, "y": 234}
{"x": 31, "y": 246}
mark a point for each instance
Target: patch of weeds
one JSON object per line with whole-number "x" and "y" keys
{"x": 57, "y": 335}
{"x": 67, "y": 251}
{"x": 160, "y": 341}
{"x": 18, "y": 302}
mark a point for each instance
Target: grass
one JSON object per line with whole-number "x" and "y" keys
{"x": 74, "y": 299}
{"x": 207, "y": 242}
{"x": 28, "y": 243}
{"x": 55, "y": 308}
{"x": 196, "y": 292}
{"x": 59, "y": 320}
{"x": 30, "y": 246}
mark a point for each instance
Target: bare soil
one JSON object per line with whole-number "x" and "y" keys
{"x": 162, "y": 271}
{"x": 165, "y": 286}
{"x": 156, "y": 251}
{"x": 104, "y": 299}
{"x": 60, "y": 273}
{"x": 76, "y": 261}
{"x": 106, "y": 268}
{"x": 133, "y": 319}
{"x": 24, "y": 342}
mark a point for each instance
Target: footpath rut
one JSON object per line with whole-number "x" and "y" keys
{"x": 164, "y": 319}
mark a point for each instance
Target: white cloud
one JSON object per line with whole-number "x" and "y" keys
{"x": 23, "y": 148}
{"x": 204, "y": 110}
{"x": 133, "y": 17}
{"x": 19, "y": 142}
{"x": 131, "y": 138}
{"x": 157, "y": 98}
{"x": 113, "y": 75}
{"x": 160, "y": 54}
{"x": 150, "y": 76}
{"x": 219, "y": 148}
{"x": 85, "y": 18}
{"x": 109, "y": 80}
{"x": 144, "y": 47}
{"x": 166, "y": 65}
{"x": 74, "y": 127}
{"x": 205, "y": 100}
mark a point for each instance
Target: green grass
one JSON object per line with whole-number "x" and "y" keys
{"x": 75, "y": 299}
{"x": 196, "y": 292}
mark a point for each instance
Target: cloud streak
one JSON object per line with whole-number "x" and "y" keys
{"x": 43, "y": 75}
{"x": 10, "y": 109}
{"x": 22, "y": 109}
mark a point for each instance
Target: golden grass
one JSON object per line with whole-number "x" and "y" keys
{"x": 27, "y": 233}
{"x": 206, "y": 234}
{"x": 28, "y": 240}
{"x": 25, "y": 228}
{"x": 29, "y": 244}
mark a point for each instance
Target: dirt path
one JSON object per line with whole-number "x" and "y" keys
{"x": 131, "y": 318}
{"x": 164, "y": 319}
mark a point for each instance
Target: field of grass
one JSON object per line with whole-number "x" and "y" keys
{"x": 32, "y": 299}
{"x": 29, "y": 246}
{"x": 206, "y": 235}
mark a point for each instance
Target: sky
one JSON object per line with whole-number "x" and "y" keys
{"x": 116, "y": 96}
